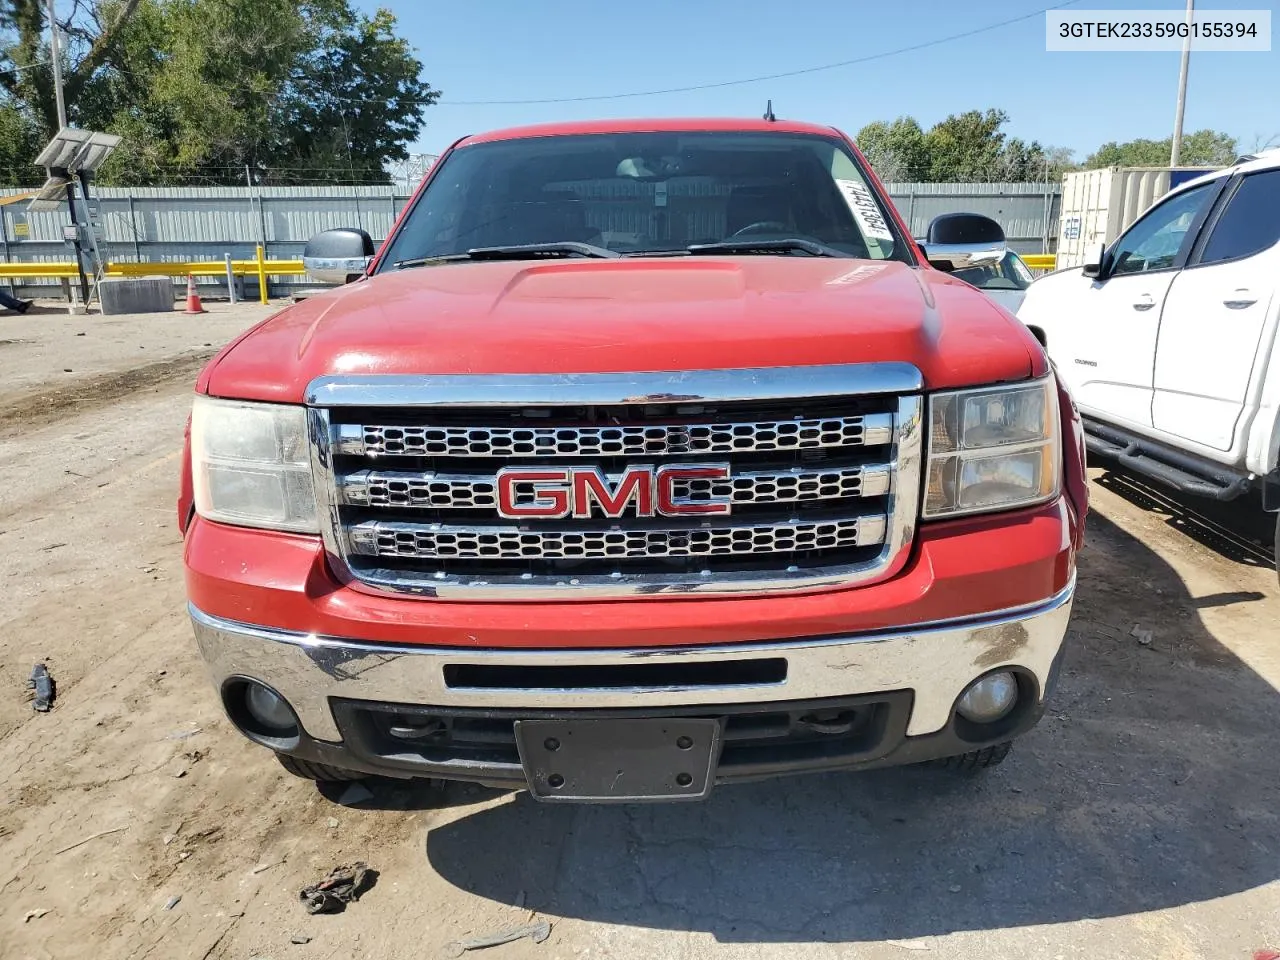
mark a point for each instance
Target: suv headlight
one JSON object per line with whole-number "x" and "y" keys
{"x": 993, "y": 448}
{"x": 250, "y": 465}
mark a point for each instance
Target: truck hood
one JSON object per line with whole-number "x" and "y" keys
{"x": 598, "y": 316}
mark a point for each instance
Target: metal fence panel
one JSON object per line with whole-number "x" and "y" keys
{"x": 1028, "y": 212}
{"x": 207, "y": 223}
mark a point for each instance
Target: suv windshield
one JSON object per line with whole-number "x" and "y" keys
{"x": 649, "y": 193}
{"x": 1009, "y": 273}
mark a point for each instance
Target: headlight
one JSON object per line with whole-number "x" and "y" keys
{"x": 993, "y": 448}
{"x": 250, "y": 465}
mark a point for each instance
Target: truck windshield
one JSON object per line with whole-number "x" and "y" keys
{"x": 649, "y": 194}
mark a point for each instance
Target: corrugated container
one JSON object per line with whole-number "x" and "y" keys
{"x": 1099, "y": 205}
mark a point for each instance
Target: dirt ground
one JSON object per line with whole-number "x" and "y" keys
{"x": 1137, "y": 821}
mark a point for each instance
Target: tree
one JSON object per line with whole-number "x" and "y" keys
{"x": 1061, "y": 160}
{"x": 897, "y": 151}
{"x": 1263, "y": 141}
{"x": 1207, "y": 148}
{"x": 355, "y": 101}
{"x": 202, "y": 91}
{"x": 91, "y": 34}
{"x": 20, "y": 141}
{"x": 966, "y": 146}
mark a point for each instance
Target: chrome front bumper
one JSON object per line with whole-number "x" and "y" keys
{"x": 934, "y": 661}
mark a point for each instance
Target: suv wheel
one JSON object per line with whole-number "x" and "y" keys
{"x": 319, "y": 772}
{"x": 976, "y": 760}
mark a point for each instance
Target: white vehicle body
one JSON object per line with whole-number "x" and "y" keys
{"x": 1167, "y": 339}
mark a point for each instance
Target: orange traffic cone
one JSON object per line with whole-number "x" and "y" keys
{"x": 193, "y": 299}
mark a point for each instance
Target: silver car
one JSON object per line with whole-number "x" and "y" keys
{"x": 973, "y": 248}
{"x": 1005, "y": 280}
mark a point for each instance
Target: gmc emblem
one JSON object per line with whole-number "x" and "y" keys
{"x": 554, "y": 493}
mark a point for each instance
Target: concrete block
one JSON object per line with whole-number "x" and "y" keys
{"x": 136, "y": 295}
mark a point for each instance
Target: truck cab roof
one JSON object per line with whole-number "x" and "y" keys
{"x": 653, "y": 125}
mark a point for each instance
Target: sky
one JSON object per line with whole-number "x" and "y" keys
{"x": 485, "y": 50}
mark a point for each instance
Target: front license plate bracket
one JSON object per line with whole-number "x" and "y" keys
{"x": 619, "y": 761}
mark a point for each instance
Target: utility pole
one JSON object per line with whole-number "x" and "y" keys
{"x": 1175, "y": 154}
{"x": 55, "y": 53}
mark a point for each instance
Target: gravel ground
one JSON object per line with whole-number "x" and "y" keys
{"x": 1137, "y": 821}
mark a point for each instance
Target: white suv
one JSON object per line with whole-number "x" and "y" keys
{"x": 1167, "y": 338}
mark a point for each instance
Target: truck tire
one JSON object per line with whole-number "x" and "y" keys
{"x": 976, "y": 760}
{"x": 319, "y": 772}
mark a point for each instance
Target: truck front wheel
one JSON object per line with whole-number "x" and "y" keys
{"x": 319, "y": 772}
{"x": 976, "y": 760}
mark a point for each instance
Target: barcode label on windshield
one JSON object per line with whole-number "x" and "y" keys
{"x": 865, "y": 210}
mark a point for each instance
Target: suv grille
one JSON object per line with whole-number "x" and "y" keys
{"x": 818, "y": 487}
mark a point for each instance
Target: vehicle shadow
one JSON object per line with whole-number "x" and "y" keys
{"x": 1149, "y": 784}
{"x": 1238, "y": 530}
{"x": 387, "y": 793}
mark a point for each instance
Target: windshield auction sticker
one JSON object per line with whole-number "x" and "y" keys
{"x": 865, "y": 210}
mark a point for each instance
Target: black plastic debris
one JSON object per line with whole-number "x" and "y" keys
{"x": 42, "y": 683}
{"x": 341, "y": 886}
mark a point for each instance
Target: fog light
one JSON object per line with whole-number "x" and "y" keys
{"x": 990, "y": 698}
{"x": 268, "y": 708}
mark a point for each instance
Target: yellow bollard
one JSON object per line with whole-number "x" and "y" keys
{"x": 262, "y": 274}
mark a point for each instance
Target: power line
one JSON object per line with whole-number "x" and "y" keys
{"x": 885, "y": 54}
{"x": 760, "y": 79}
{"x": 869, "y": 58}
{"x": 26, "y": 66}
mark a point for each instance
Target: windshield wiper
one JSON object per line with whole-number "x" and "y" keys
{"x": 523, "y": 251}
{"x": 745, "y": 246}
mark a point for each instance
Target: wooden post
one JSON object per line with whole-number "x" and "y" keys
{"x": 262, "y": 274}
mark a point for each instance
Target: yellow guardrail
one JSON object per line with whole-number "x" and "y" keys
{"x": 16, "y": 271}
{"x": 1040, "y": 261}
{"x": 259, "y": 267}
{"x": 199, "y": 268}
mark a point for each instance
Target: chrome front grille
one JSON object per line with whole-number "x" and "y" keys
{"x": 443, "y": 491}
{"x": 373, "y": 440}
{"x": 823, "y": 473}
{"x": 439, "y": 541}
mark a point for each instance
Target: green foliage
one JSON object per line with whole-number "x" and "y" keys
{"x": 971, "y": 146}
{"x": 963, "y": 147}
{"x": 897, "y": 150}
{"x": 967, "y": 146}
{"x": 19, "y": 143}
{"x": 1204, "y": 148}
{"x": 204, "y": 90}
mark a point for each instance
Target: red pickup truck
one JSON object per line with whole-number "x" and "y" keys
{"x": 642, "y": 456}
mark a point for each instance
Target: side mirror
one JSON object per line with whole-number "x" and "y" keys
{"x": 959, "y": 240}
{"x": 946, "y": 266}
{"x": 338, "y": 256}
{"x": 1093, "y": 262}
